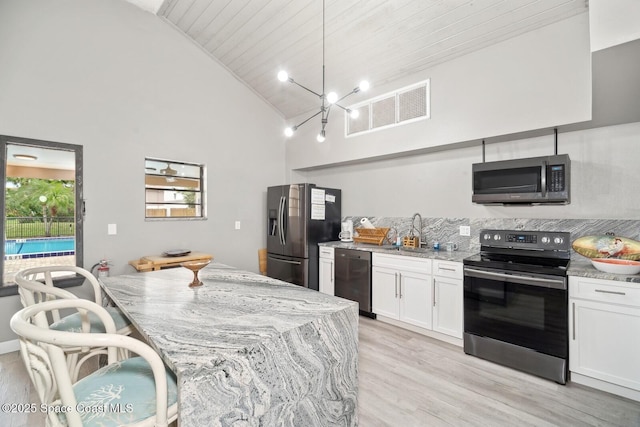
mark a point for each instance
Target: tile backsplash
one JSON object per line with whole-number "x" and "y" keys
{"x": 444, "y": 230}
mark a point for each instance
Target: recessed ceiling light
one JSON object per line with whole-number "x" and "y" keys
{"x": 25, "y": 157}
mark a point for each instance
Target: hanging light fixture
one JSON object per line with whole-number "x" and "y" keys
{"x": 169, "y": 171}
{"x": 327, "y": 100}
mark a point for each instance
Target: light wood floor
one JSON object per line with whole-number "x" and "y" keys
{"x": 408, "y": 380}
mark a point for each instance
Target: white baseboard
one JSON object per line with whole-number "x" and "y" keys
{"x": 605, "y": 386}
{"x": 9, "y": 346}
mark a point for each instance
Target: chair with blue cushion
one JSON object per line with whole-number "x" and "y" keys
{"x": 36, "y": 285}
{"x": 138, "y": 391}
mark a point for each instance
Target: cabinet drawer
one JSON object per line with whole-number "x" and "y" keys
{"x": 326, "y": 252}
{"x": 447, "y": 269}
{"x": 404, "y": 263}
{"x": 610, "y": 291}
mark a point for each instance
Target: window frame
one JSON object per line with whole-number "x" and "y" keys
{"x": 202, "y": 175}
{"x": 63, "y": 282}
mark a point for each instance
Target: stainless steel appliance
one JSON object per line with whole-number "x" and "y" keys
{"x": 516, "y": 301}
{"x": 535, "y": 180}
{"x": 299, "y": 216}
{"x": 352, "y": 277}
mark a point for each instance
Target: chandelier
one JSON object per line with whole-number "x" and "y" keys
{"x": 327, "y": 100}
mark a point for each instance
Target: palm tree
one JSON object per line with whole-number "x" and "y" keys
{"x": 32, "y": 196}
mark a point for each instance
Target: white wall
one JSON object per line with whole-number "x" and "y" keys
{"x": 123, "y": 84}
{"x": 537, "y": 80}
{"x": 604, "y": 179}
{"x": 613, "y": 22}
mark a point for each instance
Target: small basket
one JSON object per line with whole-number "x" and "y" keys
{"x": 374, "y": 236}
{"x": 411, "y": 242}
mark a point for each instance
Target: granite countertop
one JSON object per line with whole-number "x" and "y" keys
{"x": 247, "y": 347}
{"x": 579, "y": 265}
{"x": 456, "y": 256}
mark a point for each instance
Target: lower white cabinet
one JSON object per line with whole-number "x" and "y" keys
{"x": 604, "y": 326}
{"x": 326, "y": 283}
{"x": 448, "y": 298}
{"x": 403, "y": 295}
{"x": 419, "y": 292}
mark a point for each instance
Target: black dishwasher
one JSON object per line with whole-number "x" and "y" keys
{"x": 353, "y": 277}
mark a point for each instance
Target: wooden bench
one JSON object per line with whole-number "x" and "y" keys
{"x": 157, "y": 262}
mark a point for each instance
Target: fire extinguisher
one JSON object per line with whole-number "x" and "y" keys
{"x": 103, "y": 268}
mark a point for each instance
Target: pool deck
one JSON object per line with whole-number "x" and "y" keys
{"x": 11, "y": 267}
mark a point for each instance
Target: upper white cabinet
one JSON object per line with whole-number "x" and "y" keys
{"x": 604, "y": 325}
{"x": 613, "y": 22}
{"x": 326, "y": 283}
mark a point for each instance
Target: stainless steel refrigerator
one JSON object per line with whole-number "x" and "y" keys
{"x": 299, "y": 216}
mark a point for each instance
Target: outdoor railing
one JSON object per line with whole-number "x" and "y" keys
{"x": 25, "y": 227}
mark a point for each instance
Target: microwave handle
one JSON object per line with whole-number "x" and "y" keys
{"x": 543, "y": 178}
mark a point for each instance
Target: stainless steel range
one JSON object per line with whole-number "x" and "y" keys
{"x": 516, "y": 301}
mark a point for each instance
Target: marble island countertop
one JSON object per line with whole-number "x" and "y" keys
{"x": 247, "y": 348}
{"x": 579, "y": 265}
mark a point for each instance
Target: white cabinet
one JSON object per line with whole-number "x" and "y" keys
{"x": 402, "y": 289}
{"x": 326, "y": 283}
{"x": 604, "y": 325}
{"x": 448, "y": 298}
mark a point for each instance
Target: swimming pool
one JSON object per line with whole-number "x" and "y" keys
{"x": 38, "y": 248}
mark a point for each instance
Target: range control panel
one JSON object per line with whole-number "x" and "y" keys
{"x": 532, "y": 240}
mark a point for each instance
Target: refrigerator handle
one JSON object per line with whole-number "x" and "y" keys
{"x": 281, "y": 212}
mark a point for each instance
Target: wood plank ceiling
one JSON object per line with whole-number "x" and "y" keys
{"x": 378, "y": 40}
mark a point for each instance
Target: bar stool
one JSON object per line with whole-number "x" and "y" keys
{"x": 36, "y": 285}
{"x": 262, "y": 261}
{"x": 138, "y": 391}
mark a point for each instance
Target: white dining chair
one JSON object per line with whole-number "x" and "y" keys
{"x": 36, "y": 285}
{"x": 138, "y": 391}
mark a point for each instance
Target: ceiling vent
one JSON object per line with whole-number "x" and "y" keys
{"x": 405, "y": 105}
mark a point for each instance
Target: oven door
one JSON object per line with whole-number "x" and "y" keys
{"x": 525, "y": 310}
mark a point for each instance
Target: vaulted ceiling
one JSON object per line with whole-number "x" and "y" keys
{"x": 378, "y": 40}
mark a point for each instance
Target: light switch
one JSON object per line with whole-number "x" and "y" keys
{"x": 112, "y": 229}
{"x": 237, "y": 225}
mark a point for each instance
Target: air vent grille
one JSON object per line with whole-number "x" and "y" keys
{"x": 403, "y": 106}
{"x": 412, "y": 104}
{"x": 383, "y": 112}
{"x": 359, "y": 124}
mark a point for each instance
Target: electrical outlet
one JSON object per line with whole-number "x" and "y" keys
{"x": 465, "y": 230}
{"x": 237, "y": 225}
{"x": 112, "y": 229}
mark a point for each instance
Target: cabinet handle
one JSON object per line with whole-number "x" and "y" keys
{"x": 396, "y": 283}
{"x": 333, "y": 272}
{"x": 447, "y": 269}
{"x": 400, "y": 283}
{"x": 610, "y": 292}
{"x": 573, "y": 319}
{"x": 433, "y": 291}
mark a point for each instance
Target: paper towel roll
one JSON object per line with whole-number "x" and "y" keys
{"x": 364, "y": 222}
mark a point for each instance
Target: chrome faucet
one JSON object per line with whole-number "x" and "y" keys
{"x": 413, "y": 227}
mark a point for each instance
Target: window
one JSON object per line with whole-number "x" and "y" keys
{"x": 42, "y": 207}
{"x": 174, "y": 190}
{"x": 405, "y": 105}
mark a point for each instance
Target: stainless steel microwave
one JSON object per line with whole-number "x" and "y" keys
{"x": 535, "y": 180}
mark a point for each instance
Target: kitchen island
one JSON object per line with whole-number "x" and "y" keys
{"x": 246, "y": 348}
